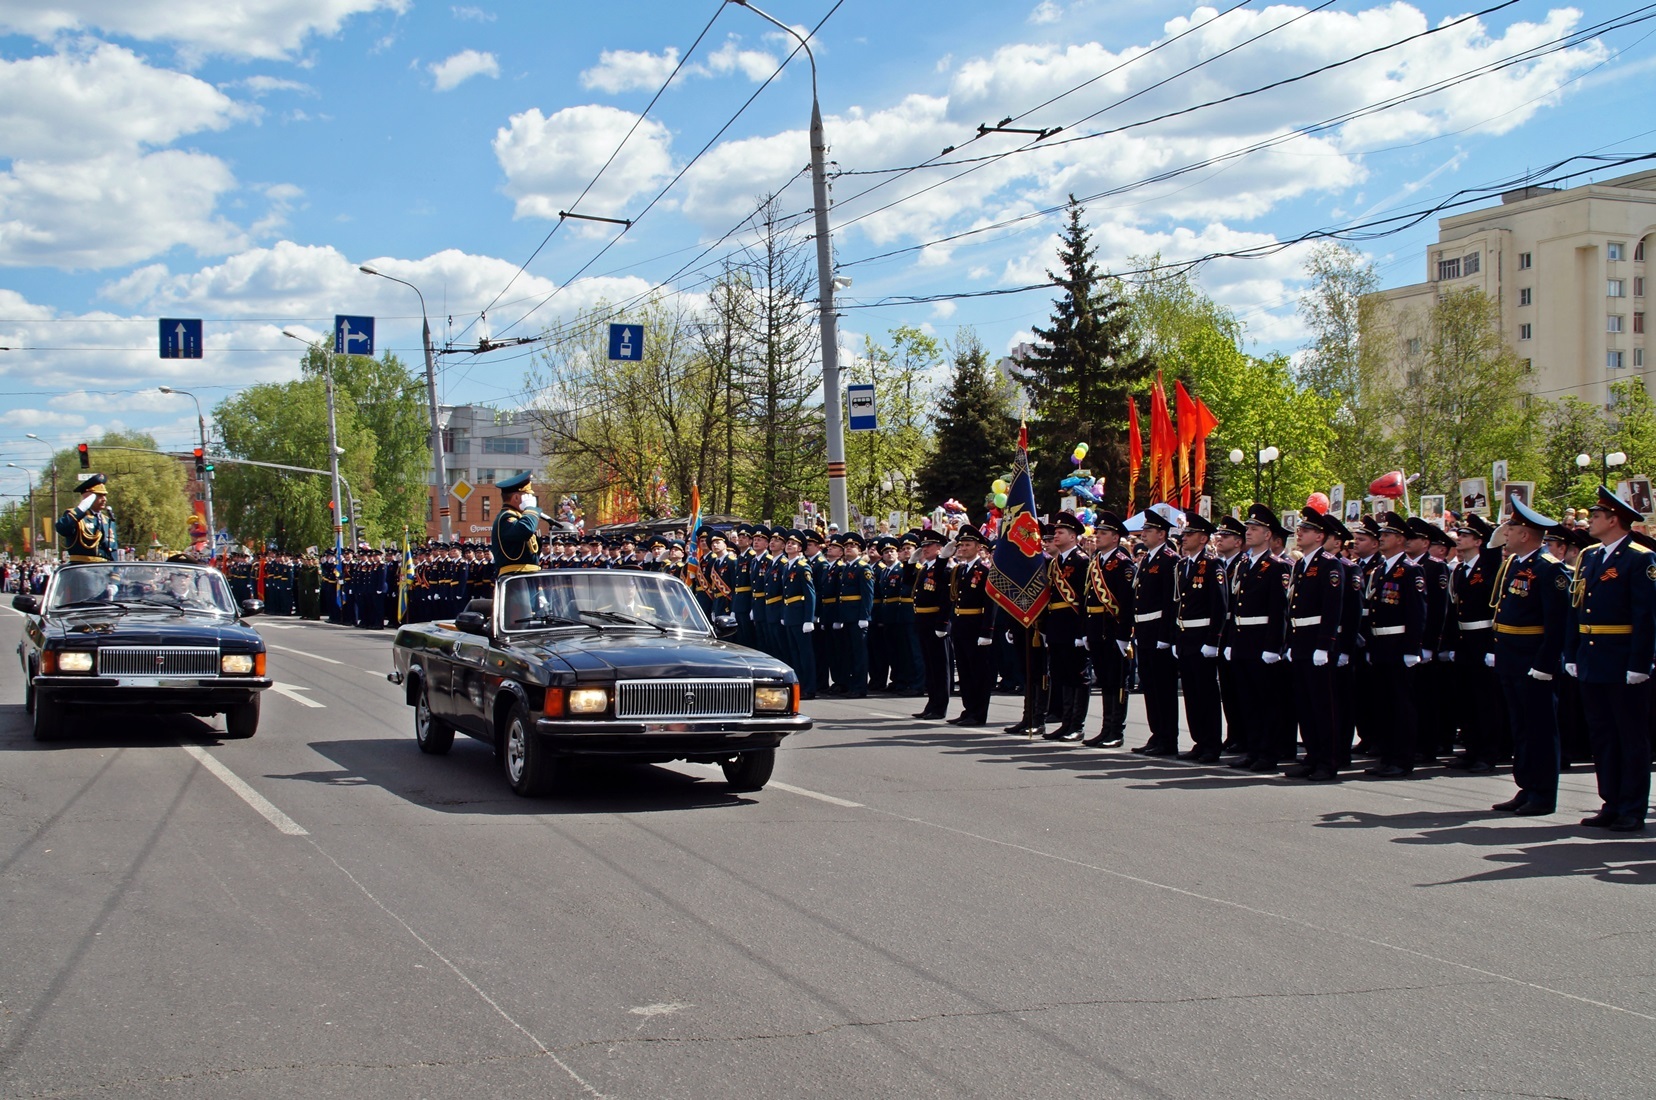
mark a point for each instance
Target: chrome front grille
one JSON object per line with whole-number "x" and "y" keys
{"x": 143, "y": 660}
{"x": 684, "y": 699}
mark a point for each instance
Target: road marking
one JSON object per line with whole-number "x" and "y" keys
{"x": 818, "y": 795}
{"x": 279, "y": 626}
{"x": 283, "y": 823}
{"x": 304, "y": 653}
{"x": 292, "y": 692}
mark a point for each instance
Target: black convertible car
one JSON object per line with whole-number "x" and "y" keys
{"x": 577, "y": 662}
{"x": 145, "y": 636}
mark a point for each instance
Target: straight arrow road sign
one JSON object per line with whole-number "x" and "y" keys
{"x": 626, "y": 342}
{"x": 180, "y": 338}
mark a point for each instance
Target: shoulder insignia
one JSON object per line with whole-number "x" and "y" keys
{"x": 1563, "y": 579}
{"x": 1548, "y": 558}
{"x": 1333, "y": 578}
{"x": 1420, "y": 582}
{"x": 1651, "y": 571}
{"x": 1443, "y": 580}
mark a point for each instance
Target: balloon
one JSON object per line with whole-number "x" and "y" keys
{"x": 1081, "y": 449}
{"x": 1000, "y": 500}
{"x": 1318, "y": 502}
{"x": 1000, "y": 485}
{"x": 1075, "y": 460}
{"x": 1387, "y": 485}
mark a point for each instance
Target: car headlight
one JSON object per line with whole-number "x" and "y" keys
{"x": 774, "y": 698}
{"x": 236, "y": 664}
{"x": 588, "y": 701}
{"x": 74, "y": 661}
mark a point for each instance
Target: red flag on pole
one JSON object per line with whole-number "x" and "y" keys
{"x": 1205, "y": 423}
{"x": 1162, "y": 442}
{"x": 1187, "y": 436}
{"x": 1135, "y": 452}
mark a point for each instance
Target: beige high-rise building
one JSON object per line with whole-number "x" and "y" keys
{"x": 1568, "y": 270}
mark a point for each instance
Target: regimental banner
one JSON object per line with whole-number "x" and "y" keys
{"x": 1017, "y": 568}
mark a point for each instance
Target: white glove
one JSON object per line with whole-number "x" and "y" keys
{"x": 1345, "y": 659}
{"x": 862, "y": 624}
{"x": 1227, "y": 653}
{"x": 110, "y": 590}
{"x": 986, "y": 640}
{"x": 86, "y": 502}
{"x": 839, "y": 626}
{"x": 1571, "y": 670}
{"x": 1319, "y": 657}
{"x": 529, "y": 502}
{"x": 1410, "y": 660}
{"x": 1165, "y": 645}
{"x": 1175, "y": 653}
{"x": 751, "y": 619}
{"x": 1425, "y": 655}
{"x": 1369, "y": 657}
{"x": 1271, "y": 658}
{"x": 807, "y": 627}
{"x": 1537, "y": 674}
{"x": 1211, "y": 652}
{"x": 1123, "y": 647}
{"x": 1009, "y": 638}
{"x": 1080, "y": 643}
{"x": 1450, "y": 656}
{"x": 1288, "y": 655}
{"x": 1634, "y": 678}
{"x": 1489, "y": 660}
{"x": 941, "y": 633}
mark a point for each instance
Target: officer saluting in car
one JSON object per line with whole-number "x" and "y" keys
{"x": 89, "y": 527}
{"x": 515, "y": 544}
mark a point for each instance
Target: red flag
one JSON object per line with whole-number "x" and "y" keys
{"x": 1187, "y": 436}
{"x": 1205, "y": 423}
{"x": 1135, "y": 451}
{"x": 1162, "y": 442}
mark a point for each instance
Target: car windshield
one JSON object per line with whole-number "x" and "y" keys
{"x": 191, "y": 588}
{"x": 608, "y": 599}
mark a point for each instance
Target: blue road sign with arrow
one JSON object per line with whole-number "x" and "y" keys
{"x": 353, "y": 335}
{"x": 180, "y": 338}
{"x": 626, "y": 342}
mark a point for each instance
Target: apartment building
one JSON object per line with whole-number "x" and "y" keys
{"x": 481, "y": 445}
{"x": 1568, "y": 268}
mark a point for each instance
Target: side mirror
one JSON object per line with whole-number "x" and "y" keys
{"x": 472, "y": 622}
{"x": 724, "y": 626}
{"x": 29, "y": 605}
{"x": 252, "y": 607}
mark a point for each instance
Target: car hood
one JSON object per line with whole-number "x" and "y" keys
{"x": 628, "y": 655}
{"x": 164, "y": 628}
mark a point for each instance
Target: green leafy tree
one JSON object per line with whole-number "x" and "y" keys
{"x": 1352, "y": 335}
{"x": 976, "y": 434}
{"x": 1632, "y": 416}
{"x": 1084, "y": 365}
{"x": 1569, "y": 427}
{"x": 903, "y": 400}
{"x": 390, "y": 404}
{"x": 147, "y": 493}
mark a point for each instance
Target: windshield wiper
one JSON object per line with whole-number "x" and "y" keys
{"x": 552, "y": 620}
{"x": 617, "y": 617}
{"x": 97, "y": 601}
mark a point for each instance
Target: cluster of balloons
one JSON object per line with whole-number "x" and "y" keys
{"x": 1079, "y": 455}
{"x": 1000, "y": 488}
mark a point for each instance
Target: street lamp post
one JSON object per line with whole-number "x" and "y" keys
{"x": 206, "y": 475}
{"x": 1613, "y": 458}
{"x": 28, "y": 474}
{"x": 1262, "y": 458}
{"x": 837, "y": 504}
{"x": 333, "y": 444}
{"x": 438, "y": 474}
{"x": 54, "y": 473}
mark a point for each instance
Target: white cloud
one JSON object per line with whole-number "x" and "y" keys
{"x": 473, "y": 13}
{"x": 248, "y": 28}
{"x": 629, "y": 70}
{"x": 1046, "y": 12}
{"x": 453, "y": 71}
{"x": 756, "y": 65}
{"x": 268, "y": 85}
{"x": 548, "y": 160}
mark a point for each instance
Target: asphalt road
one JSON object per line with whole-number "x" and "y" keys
{"x": 910, "y": 910}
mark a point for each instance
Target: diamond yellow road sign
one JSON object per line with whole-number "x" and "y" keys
{"x": 463, "y": 490}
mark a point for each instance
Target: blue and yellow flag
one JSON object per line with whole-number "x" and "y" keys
{"x": 407, "y": 582}
{"x": 1018, "y": 568}
{"x": 692, "y": 562}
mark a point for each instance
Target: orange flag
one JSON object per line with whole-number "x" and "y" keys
{"x": 1187, "y": 436}
{"x": 1205, "y": 423}
{"x": 1162, "y": 442}
{"x": 1135, "y": 451}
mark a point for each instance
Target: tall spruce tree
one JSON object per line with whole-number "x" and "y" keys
{"x": 1082, "y": 369}
{"x": 977, "y": 431}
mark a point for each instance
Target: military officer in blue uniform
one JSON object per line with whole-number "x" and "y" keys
{"x": 515, "y": 540}
{"x": 1469, "y": 638}
{"x": 88, "y": 529}
{"x": 1155, "y": 606}
{"x": 971, "y": 627}
{"x": 798, "y": 613}
{"x": 1064, "y": 625}
{"x": 1608, "y": 648}
{"x": 1109, "y": 625}
{"x": 1257, "y": 632}
{"x": 931, "y": 622}
{"x": 1395, "y": 596}
{"x": 856, "y": 602}
{"x": 1532, "y": 605}
{"x": 1203, "y": 601}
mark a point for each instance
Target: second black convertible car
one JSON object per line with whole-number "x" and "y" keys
{"x": 143, "y": 637}
{"x": 599, "y": 662}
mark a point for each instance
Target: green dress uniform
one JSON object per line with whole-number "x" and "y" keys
{"x": 515, "y": 543}
{"x": 89, "y": 535}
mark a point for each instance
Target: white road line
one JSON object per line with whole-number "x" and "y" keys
{"x": 253, "y": 798}
{"x": 304, "y": 653}
{"x": 279, "y": 626}
{"x": 818, "y": 795}
{"x": 292, "y": 691}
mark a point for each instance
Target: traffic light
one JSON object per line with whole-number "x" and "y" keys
{"x": 201, "y": 463}
{"x": 85, "y": 456}
{"x": 356, "y": 511}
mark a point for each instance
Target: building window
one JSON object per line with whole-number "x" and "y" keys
{"x": 1528, "y": 365}
{"x": 1615, "y": 251}
{"x": 1414, "y": 345}
{"x": 1524, "y": 332}
{"x": 1449, "y": 269}
{"x": 485, "y": 476}
{"x": 1615, "y": 360}
{"x": 1638, "y": 323}
{"x": 1525, "y": 261}
{"x": 1638, "y": 286}
{"x": 461, "y": 509}
{"x": 1638, "y": 253}
{"x": 1613, "y": 323}
{"x": 494, "y": 445}
{"x": 1615, "y": 288}
{"x": 485, "y": 509}
{"x": 1469, "y": 266}
{"x": 1525, "y": 296}
{"x": 1638, "y": 357}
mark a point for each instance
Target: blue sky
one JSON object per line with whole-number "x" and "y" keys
{"x": 190, "y": 158}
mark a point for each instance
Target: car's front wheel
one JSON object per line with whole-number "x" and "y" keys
{"x": 49, "y": 719}
{"x": 531, "y": 768}
{"x": 242, "y": 721}
{"x": 431, "y": 733}
{"x": 749, "y": 771}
